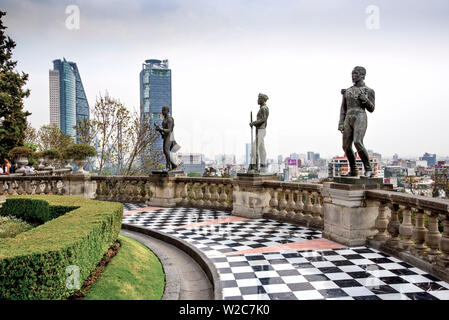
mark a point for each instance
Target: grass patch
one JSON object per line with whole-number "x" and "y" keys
{"x": 11, "y": 226}
{"x": 135, "y": 273}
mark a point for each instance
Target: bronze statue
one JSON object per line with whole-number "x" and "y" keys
{"x": 169, "y": 143}
{"x": 353, "y": 120}
{"x": 259, "y": 146}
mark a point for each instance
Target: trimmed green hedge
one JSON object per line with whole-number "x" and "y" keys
{"x": 33, "y": 210}
{"x": 33, "y": 264}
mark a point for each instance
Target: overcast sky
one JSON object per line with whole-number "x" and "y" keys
{"x": 223, "y": 53}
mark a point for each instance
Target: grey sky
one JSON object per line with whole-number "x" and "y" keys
{"x": 223, "y": 53}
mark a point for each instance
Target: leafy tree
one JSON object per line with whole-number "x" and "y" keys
{"x": 51, "y": 137}
{"x": 12, "y": 116}
{"x": 30, "y": 134}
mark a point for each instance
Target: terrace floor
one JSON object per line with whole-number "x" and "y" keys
{"x": 264, "y": 259}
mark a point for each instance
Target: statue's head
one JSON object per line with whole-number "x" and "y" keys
{"x": 165, "y": 110}
{"x": 358, "y": 74}
{"x": 262, "y": 99}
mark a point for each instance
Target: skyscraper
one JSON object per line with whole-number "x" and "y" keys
{"x": 155, "y": 92}
{"x": 68, "y": 102}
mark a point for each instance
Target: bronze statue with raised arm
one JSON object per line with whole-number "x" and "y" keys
{"x": 353, "y": 120}
{"x": 169, "y": 143}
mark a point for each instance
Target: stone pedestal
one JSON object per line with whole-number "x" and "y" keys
{"x": 348, "y": 218}
{"x": 163, "y": 189}
{"x": 250, "y": 199}
{"x": 80, "y": 185}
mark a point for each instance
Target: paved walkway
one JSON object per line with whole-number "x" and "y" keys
{"x": 265, "y": 259}
{"x": 194, "y": 284}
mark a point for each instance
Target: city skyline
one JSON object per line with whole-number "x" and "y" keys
{"x": 225, "y": 54}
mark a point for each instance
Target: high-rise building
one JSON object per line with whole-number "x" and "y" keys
{"x": 155, "y": 93}
{"x": 247, "y": 153}
{"x": 68, "y": 101}
{"x": 430, "y": 158}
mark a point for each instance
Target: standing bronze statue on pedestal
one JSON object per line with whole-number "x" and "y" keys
{"x": 259, "y": 146}
{"x": 353, "y": 120}
{"x": 168, "y": 137}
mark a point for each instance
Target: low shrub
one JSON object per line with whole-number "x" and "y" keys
{"x": 33, "y": 264}
{"x": 79, "y": 151}
{"x": 51, "y": 154}
{"x": 18, "y": 152}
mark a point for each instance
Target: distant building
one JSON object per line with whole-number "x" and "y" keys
{"x": 339, "y": 166}
{"x": 225, "y": 159}
{"x": 394, "y": 171}
{"x": 68, "y": 101}
{"x": 155, "y": 93}
{"x": 191, "y": 162}
{"x": 430, "y": 158}
{"x": 280, "y": 158}
{"x": 247, "y": 154}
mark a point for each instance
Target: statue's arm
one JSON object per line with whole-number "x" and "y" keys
{"x": 170, "y": 125}
{"x": 264, "y": 118}
{"x": 370, "y": 102}
{"x": 341, "y": 123}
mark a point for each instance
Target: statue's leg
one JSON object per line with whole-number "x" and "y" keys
{"x": 167, "y": 153}
{"x": 348, "y": 134}
{"x": 262, "y": 151}
{"x": 359, "y": 133}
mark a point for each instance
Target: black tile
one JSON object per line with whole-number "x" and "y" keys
{"x": 393, "y": 280}
{"x": 347, "y": 283}
{"x": 354, "y": 256}
{"x": 364, "y": 250}
{"x": 316, "y": 277}
{"x": 430, "y": 277}
{"x": 406, "y": 265}
{"x": 330, "y": 270}
{"x": 282, "y": 296}
{"x": 420, "y": 296}
{"x": 252, "y": 290}
{"x": 343, "y": 263}
{"x": 332, "y": 293}
{"x": 228, "y": 283}
{"x": 265, "y": 267}
{"x": 292, "y": 255}
{"x": 303, "y": 265}
{"x": 403, "y": 272}
{"x": 359, "y": 274}
{"x": 367, "y": 298}
{"x": 300, "y": 286}
{"x": 286, "y": 273}
{"x": 224, "y": 270}
{"x": 278, "y": 261}
{"x": 383, "y": 289}
{"x": 244, "y": 275}
{"x": 329, "y": 253}
{"x": 381, "y": 260}
{"x": 239, "y": 264}
{"x": 429, "y": 286}
{"x": 272, "y": 280}
{"x": 315, "y": 259}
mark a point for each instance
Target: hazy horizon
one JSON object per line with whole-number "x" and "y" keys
{"x": 223, "y": 53}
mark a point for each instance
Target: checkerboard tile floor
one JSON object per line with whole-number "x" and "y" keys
{"x": 359, "y": 273}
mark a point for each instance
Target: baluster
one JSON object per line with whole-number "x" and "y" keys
{"x": 433, "y": 237}
{"x": 136, "y": 188}
{"x": 184, "y": 201}
{"x": 308, "y": 207}
{"x": 406, "y": 229}
{"x": 143, "y": 190}
{"x": 200, "y": 195}
{"x": 223, "y": 196}
{"x": 54, "y": 187}
{"x": 317, "y": 220}
{"x": 381, "y": 223}
{"x": 299, "y": 208}
{"x": 20, "y": 187}
{"x": 98, "y": 194}
{"x": 291, "y": 204}
{"x": 2, "y": 187}
{"x": 114, "y": 192}
{"x": 11, "y": 187}
{"x": 274, "y": 202}
{"x": 207, "y": 196}
{"x": 419, "y": 233}
{"x": 122, "y": 197}
{"x": 443, "y": 259}
{"x": 215, "y": 196}
{"x": 393, "y": 225}
{"x": 231, "y": 197}
{"x": 191, "y": 194}
{"x": 61, "y": 190}
{"x": 38, "y": 187}
{"x": 282, "y": 204}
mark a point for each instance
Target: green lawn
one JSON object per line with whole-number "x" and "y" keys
{"x": 135, "y": 273}
{"x": 12, "y": 226}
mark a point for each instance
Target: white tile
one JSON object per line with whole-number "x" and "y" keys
{"x": 415, "y": 278}
{"x": 274, "y": 256}
{"x": 310, "y": 254}
{"x": 319, "y": 285}
{"x": 221, "y": 264}
{"x": 248, "y": 282}
{"x": 283, "y": 266}
{"x": 406, "y": 287}
{"x": 345, "y": 252}
{"x": 440, "y": 294}
{"x": 341, "y": 298}
{"x": 370, "y": 282}
{"x": 297, "y": 260}
{"x": 258, "y": 262}
{"x": 444, "y": 284}
{"x": 230, "y": 292}
{"x": 322, "y": 264}
{"x": 227, "y": 276}
{"x": 381, "y": 273}
{"x": 259, "y": 296}
{"x": 351, "y": 268}
{"x": 418, "y": 271}
{"x": 236, "y": 258}
{"x": 357, "y": 291}
{"x": 335, "y": 258}
{"x": 276, "y": 288}
{"x": 294, "y": 279}
{"x": 266, "y": 274}
{"x": 391, "y": 266}
{"x": 362, "y": 261}
{"x": 338, "y": 276}
{"x": 308, "y": 271}
{"x": 308, "y": 295}
{"x": 242, "y": 269}
{"x": 371, "y": 255}
{"x": 393, "y": 296}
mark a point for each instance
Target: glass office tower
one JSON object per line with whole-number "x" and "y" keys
{"x": 68, "y": 102}
{"x": 155, "y": 92}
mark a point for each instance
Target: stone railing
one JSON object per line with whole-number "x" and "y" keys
{"x": 212, "y": 193}
{"x": 414, "y": 227}
{"x": 123, "y": 189}
{"x": 36, "y": 184}
{"x": 294, "y": 202}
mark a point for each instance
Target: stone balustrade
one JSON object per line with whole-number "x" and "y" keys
{"x": 137, "y": 189}
{"x": 294, "y": 202}
{"x": 39, "y": 184}
{"x": 211, "y": 193}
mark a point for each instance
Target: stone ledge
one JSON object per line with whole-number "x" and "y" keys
{"x": 199, "y": 257}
